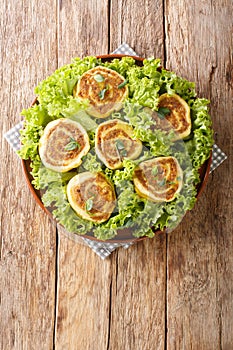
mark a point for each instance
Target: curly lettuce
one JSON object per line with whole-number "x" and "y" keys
{"x": 146, "y": 83}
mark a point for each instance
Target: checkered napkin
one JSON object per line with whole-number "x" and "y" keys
{"x": 100, "y": 248}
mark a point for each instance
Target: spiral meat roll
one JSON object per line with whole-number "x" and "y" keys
{"x": 158, "y": 179}
{"x": 114, "y": 141}
{"x": 104, "y": 88}
{"x": 91, "y": 196}
{"x": 63, "y": 143}
{"x": 176, "y": 116}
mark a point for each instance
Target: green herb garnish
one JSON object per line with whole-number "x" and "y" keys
{"x": 102, "y": 92}
{"x": 121, "y": 85}
{"x": 162, "y": 182}
{"x": 124, "y": 153}
{"x": 162, "y": 112}
{"x": 121, "y": 148}
{"x": 89, "y": 204}
{"x": 120, "y": 144}
{"x": 73, "y": 144}
{"x": 171, "y": 183}
{"x": 155, "y": 171}
{"x": 99, "y": 78}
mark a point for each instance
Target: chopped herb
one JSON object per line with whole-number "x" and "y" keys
{"x": 155, "y": 171}
{"x": 121, "y": 148}
{"x": 124, "y": 153}
{"x": 89, "y": 204}
{"x": 162, "y": 182}
{"x": 102, "y": 92}
{"x": 120, "y": 86}
{"x": 120, "y": 144}
{"x": 171, "y": 183}
{"x": 162, "y": 112}
{"x": 99, "y": 78}
{"x": 73, "y": 144}
{"x": 179, "y": 178}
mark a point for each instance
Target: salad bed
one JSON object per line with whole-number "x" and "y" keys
{"x": 146, "y": 82}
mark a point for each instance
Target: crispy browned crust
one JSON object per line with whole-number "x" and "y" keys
{"x": 95, "y": 187}
{"x": 88, "y": 88}
{"x": 158, "y": 179}
{"x": 52, "y": 146}
{"x": 108, "y": 134}
{"x": 178, "y": 119}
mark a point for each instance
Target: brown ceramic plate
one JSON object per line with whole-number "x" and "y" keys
{"x": 124, "y": 236}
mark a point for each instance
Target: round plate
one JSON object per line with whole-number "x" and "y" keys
{"x": 124, "y": 236}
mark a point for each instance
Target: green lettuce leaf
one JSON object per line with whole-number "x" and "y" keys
{"x": 55, "y": 91}
{"x": 146, "y": 83}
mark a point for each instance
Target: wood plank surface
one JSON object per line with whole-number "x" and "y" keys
{"x": 172, "y": 292}
{"x": 138, "y": 296}
{"x": 28, "y": 240}
{"x": 84, "y": 280}
{"x": 138, "y": 286}
{"x": 82, "y": 29}
{"x": 83, "y": 307}
{"x": 140, "y": 24}
{"x": 200, "y": 269}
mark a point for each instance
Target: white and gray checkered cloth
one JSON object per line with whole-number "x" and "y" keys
{"x": 101, "y": 248}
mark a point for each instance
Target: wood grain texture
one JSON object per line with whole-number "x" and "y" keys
{"x": 83, "y": 298}
{"x": 28, "y": 243}
{"x": 83, "y": 279}
{"x": 138, "y": 23}
{"x": 221, "y": 94}
{"x": 138, "y": 296}
{"x": 172, "y": 292}
{"x": 82, "y": 29}
{"x": 139, "y": 278}
{"x": 200, "y": 278}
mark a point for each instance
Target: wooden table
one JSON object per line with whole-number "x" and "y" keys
{"x": 171, "y": 292}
